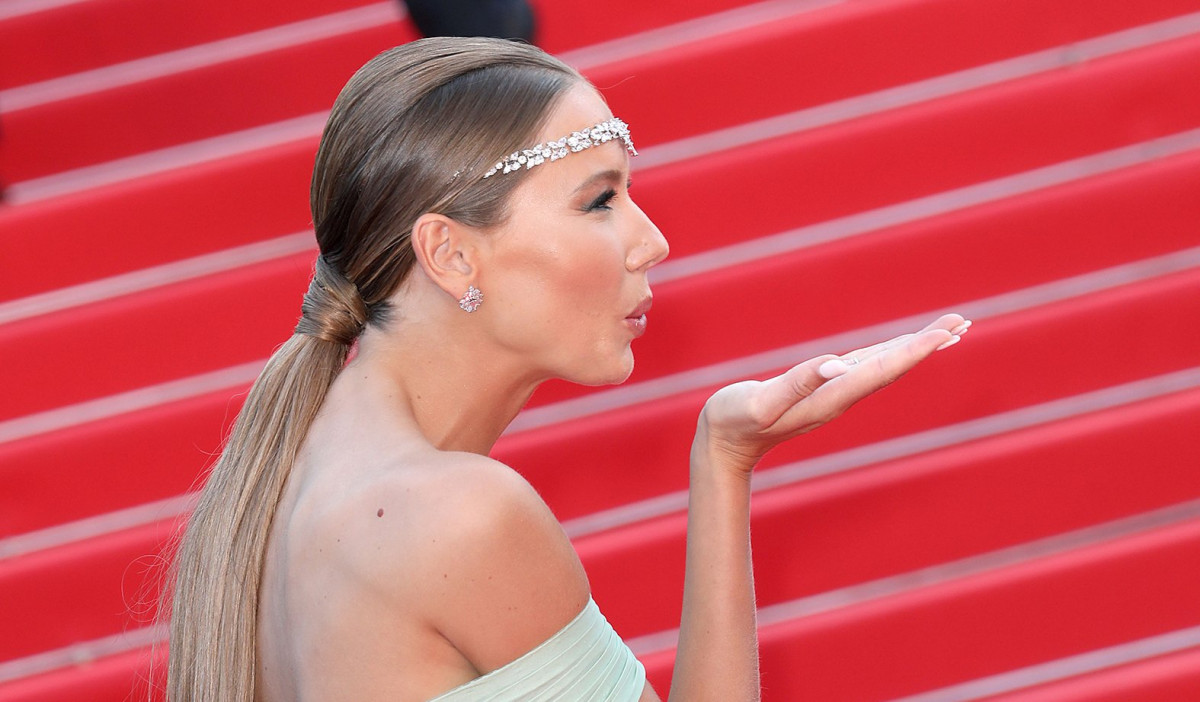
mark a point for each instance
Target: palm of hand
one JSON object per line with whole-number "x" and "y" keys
{"x": 746, "y": 419}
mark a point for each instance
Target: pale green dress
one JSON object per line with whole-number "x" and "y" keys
{"x": 584, "y": 662}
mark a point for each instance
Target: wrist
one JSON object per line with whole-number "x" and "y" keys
{"x": 710, "y": 455}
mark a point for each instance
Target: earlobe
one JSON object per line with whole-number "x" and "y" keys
{"x": 445, "y": 251}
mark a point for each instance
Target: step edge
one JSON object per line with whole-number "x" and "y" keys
{"x": 20, "y": 8}
{"x": 83, "y": 652}
{"x": 690, "y": 31}
{"x": 149, "y": 278}
{"x": 1064, "y": 668}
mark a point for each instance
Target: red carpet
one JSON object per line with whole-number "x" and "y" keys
{"x": 1016, "y": 521}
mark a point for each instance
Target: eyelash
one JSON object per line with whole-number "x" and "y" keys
{"x": 602, "y": 202}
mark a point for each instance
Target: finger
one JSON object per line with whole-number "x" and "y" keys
{"x": 882, "y": 369}
{"x": 956, "y": 331}
{"x": 887, "y": 366}
{"x": 893, "y": 358}
{"x": 952, "y": 322}
{"x": 860, "y": 355}
{"x": 783, "y": 391}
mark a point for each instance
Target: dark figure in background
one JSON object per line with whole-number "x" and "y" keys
{"x": 502, "y": 19}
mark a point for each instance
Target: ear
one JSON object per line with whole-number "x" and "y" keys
{"x": 446, "y": 251}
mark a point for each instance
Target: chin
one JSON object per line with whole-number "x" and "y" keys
{"x": 613, "y": 372}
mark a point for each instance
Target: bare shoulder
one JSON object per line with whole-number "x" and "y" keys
{"x": 472, "y": 545}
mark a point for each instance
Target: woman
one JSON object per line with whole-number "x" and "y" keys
{"x": 354, "y": 541}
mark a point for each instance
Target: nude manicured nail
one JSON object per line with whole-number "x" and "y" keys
{"x": 832, "y": 368}
{"x": 953, "y": 340}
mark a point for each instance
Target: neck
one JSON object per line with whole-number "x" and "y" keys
{"x": 459, "y": 396}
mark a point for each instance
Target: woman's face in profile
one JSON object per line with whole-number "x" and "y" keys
{"x": 567, "y": 272}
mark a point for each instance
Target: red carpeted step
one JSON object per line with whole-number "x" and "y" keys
{"x": 850, "y": 167}
{"x": 189, "y": 106}
{"x": 204, "y": 209}
{"x": 112, "y": 586}
{"x": 930, "y": 637}
{"x": 83, "y": 591}
{"x": 564, "y": 25}
{"x": 68, "y": 38}
{"x": 649, "y": 459}
{"x": 1173, "y": 677}
{"x": 903, "y": 515}
{"x": 145, "y": 338}
{"x": 116, "y": 678}
{"x": 178, "y": 437}
{"x": 117, "y": 463}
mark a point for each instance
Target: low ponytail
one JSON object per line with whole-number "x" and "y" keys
{"x": 220, "y": 559}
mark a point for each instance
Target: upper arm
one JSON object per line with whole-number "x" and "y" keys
{"x": 502, "y": 575}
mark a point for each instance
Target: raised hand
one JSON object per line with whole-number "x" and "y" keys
{"x": 743, "y": 421}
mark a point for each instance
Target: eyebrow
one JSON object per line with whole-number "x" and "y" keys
{"x": 609, "y": 174}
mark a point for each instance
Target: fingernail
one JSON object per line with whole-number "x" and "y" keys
{"x": 832, "y": 368}
{"x": 953, "y": 340}
{"x": 962, "y": 328}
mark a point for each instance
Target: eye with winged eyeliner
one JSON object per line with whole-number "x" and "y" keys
{"x": 602, "y": 201}
{"x": 604, "y": 198}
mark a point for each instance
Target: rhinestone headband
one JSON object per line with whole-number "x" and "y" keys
{"x": 606, "y": 131}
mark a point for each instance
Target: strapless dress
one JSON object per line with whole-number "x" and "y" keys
{"x": 584, "y": 662}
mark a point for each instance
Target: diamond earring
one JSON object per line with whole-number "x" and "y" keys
{"x": 471, "y": 299}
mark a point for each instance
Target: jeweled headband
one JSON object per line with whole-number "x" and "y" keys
{"x": 606, "y": 131}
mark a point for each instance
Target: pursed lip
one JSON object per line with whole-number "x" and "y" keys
{"x": 637, "y": 319}
{"x": 642, "y": 308}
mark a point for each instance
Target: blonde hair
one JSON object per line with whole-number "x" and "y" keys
{"x": 412, "y": 132}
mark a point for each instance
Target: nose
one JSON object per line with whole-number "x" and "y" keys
{"x": 649, "y": 245}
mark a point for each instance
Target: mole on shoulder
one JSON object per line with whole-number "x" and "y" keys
{"x": 379, "y": 513}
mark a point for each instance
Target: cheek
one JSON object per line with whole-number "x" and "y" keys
{"x": 566, "y": 286}
{"x": 588, "y": 278}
